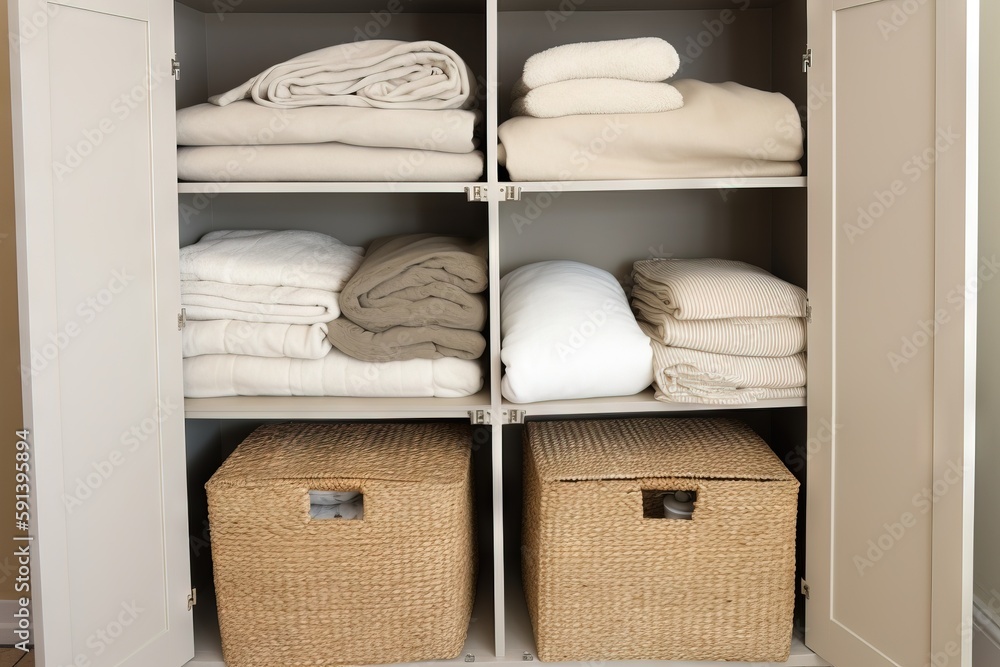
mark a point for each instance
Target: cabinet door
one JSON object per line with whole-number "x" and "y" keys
{"x": 99, "y": 286}
{"x": 893, "y": 274}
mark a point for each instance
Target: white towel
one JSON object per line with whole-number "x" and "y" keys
{"x": 724, "y": 130}
{"x": 640, "y": 59}
{"x": 709, "y": 289}
{"x": 244, "y": 123}
{"x": 597, "y": 96}
{"x": 324, "y": 163}
{"x": 336, "y": 374}
{"x": 209, "y": 300}
{"x": 256, "y": 339}
{"x": 380, "y": 73}
{"x": 287, "y": 258}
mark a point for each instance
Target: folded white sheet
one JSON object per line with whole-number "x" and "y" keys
{"x": 209, "y": 300}
{"x": 336, "y": 374}
{"x": 568, "y": 333}
{"x": 724, "y": 130}
{"x": 381, "y": 73}
{"x": 245, "y": 123}
{"x": 597, "y": 96}
{"x": 640, "y": 59}
{"x": 323, "y": 163}
{"x": 708, "y": 289}
{"x": 256, "y": 339}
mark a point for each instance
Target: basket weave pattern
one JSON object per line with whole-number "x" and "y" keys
{"x": 397, "y": 586}
{"x": 603, "y": 582}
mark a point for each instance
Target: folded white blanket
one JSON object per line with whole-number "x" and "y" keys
{"x": 724, "y": 130}
{"x": 336, "y": 505}
{"x": 709, "y": 289}
{"x": 244, "y": 123}
{"x": 324, "y": 163}
{"x": 288, "y": 258}
{"x": 256, "y": 339}
{"x": 640, "y": 59}
{"x": 691, "y": 376}
{"x": 597, "y": 96}
{"x": 209, "y": 300}
{"x": 336, "y": 374}
{"x": 381, "y": 73}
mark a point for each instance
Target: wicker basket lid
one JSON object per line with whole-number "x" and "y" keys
{"x": 649, "y": 448}
{"x": 436, "y": 453}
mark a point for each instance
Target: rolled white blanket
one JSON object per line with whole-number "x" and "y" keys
{"x": 639, "y": 59}
{"x": 709, "y": 289}
{"x": 324, "y": 163}
{"x": 336, "y": 374}
{"x": 208, "y": 300}
{"x": 724, "y": 130}
{"x": 379, "y": 73}
{"x": 597, "y": 96}
{"x": 244, "y": 123}
{"x": 288, "y": 258}
{"x": 256, "y": 339}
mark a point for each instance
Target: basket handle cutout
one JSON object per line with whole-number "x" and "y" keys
{"x": 336, "y": 506}
{"x": 672, "y": 504}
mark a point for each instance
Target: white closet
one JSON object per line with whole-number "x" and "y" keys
{"x": 880, "y": 444}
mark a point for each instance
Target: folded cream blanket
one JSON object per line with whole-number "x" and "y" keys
{"x": 419, "y": 280}
{"x": 288, "y": 258}
{"x": 404, "y": 342}
{"x": 378, "y": 73}
{"x": 209, "y": 300}
{"x": 724, "y": 130}
{"x": 336, "y": 374}
{"x": 244, "y": 123}
{"x": 597, "y": 96}
{"x": 708, "y": 289}
{"x": 640, "y": 59}
{"x": 324, "y": 163}
{"x": 255, "y": 339}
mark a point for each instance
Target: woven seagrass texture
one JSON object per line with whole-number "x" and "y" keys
{"x": 397, "y": 586}
{"x": 603, "y": 582}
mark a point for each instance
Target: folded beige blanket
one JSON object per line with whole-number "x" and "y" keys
{"x": 709, "y": 289}
{"x": 724, "y": 130}
{"x": 637, "y": 59}
{"x": 419, "y": 280}
{"x": 404, "y": 342}
{"x": 380, "y": 73}
{"x": 597, "y": 96}
{"x": 245, "y": 123}
{"x": 324, "y": 162}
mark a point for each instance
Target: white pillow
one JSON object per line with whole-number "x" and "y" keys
{"x": 567, "y": 333}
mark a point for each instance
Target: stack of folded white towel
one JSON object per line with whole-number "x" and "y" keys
{"x": 601, "y": 110}
{"x": 379, "y": 110}
{"x": 723, "y": 332}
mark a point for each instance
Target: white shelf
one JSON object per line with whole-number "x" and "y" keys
{"x": 325, "y": 6}
{"x": 644, "y": 402}
{"x": 634, "y": 5}
{"x": 658, "y": 184}
{"x": 302, "y": 407}
{"x": 213, "y": 189}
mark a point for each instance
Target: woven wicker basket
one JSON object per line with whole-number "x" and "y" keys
{"x": 604, "y": 582}
{"x": 396, "y": 586}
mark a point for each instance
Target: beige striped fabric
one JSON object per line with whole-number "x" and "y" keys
{"x": 745, "y": 336}
{"x": 711, "y": 289}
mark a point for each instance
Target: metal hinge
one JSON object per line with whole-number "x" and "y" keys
{"x": 510, "y": 193}
{"x": 192, "y": 599}
{"x": 807, "y": 60}
{"x": 175, "y": 68}
{"x": 480, "y": 417}
{"x": 477, "y": 193}
{"x": 809, "y": 313}
{"x": 514, "y": 416}
{"x": 182, "y": 319}
{"x": 805, "y": 588}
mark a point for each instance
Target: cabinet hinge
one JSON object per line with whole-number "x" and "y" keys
{"x": 175, "y": 68}
{"x": 809, "y": 313}
{"x": 480, "y": 417}
{"x": 192, "y": 599}
{"x": 510, "y": 193}
{"x": 514, "y": 416}
{"x": 477, "y": 193}
{"x": 807, "y": 60}
{"x": 804, "y": 586}
{"x": 182, "y": 319}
